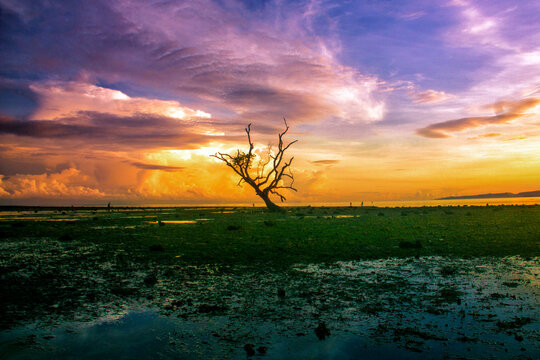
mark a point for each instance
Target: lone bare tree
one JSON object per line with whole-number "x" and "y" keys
{"x": 265, "y": 176}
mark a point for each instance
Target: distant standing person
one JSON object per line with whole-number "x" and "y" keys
{"x": 109, "y": 207}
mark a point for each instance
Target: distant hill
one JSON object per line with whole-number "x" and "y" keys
{"x": 494, "y": 196}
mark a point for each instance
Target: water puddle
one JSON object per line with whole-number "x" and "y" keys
{"x": 139, "y": 216}
{"x": 36, "y": 218}
{"x": 113, "y": 227}
{"x": 136, "y": 334}
{"x": 427, "y": 307}
{"x": 301, "y": 216}
{"x": 178, "y": 221}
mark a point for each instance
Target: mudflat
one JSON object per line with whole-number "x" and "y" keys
{"x": 199, "y": 282}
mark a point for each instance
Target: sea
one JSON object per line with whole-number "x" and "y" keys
{"x": 358, "y": 203}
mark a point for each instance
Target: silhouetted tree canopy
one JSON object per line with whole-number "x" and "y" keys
{"x": 265, "y": 176}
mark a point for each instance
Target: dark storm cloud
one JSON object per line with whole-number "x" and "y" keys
{"x": 145, "y": 166}
{"x": 325, "y": 162}
{"x": 138, "y": 131}
{"x": 46, "y": 129}
{"x": 16, "y": 98}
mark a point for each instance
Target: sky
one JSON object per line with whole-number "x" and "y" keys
{"x": 124, "y": 101}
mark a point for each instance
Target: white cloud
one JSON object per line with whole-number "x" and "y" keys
{"x": 64, "y": 99}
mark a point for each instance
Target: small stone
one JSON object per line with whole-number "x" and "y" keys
{"x": 250, "y": 351}
{"x": 410, "y": 245}
{"x": 322, "y": 331}
{"x": 150, "y": 279}
{"x": 65, "y": 237}
{"x": 156, "y": 247}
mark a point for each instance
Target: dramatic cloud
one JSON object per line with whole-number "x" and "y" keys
{"x": 97, "y": 129}
{"x": 126, "y": 99}
{"x": 61, "y": 99}
{"x": 68, "y": 183}
{"x": 512, "y": 111}
{"x": 235, "y": 61}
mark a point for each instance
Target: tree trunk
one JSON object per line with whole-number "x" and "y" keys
{"x": 269, "y": 204}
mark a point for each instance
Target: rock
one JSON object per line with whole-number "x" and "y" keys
{"x": 449, "y": 295}
{"x": 249, "y": 348}
{"x": 234, "y": 227}
{"x": 410, "y": 245}
{"x": 516, "y": 323}
{"x": 207, "y": 308}
{"x": 262, "y": 350}
{"x": 150, "y": 279}
{"x": 156, "y": 247}
{"x": 281, "y": 293}
{"x": 448, "y": 270}
{"x": 65, "y": 237}
{"x": 123, "y": 291}
{"x": 269, "y": 223}
{"x": 322, "y": 331}
{"x": 177, "y": 302}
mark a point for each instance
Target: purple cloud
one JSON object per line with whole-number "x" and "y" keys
{"x": 225, "y": 57}
{"x": 145, "y": 166}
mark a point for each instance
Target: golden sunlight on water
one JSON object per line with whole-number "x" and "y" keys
{"x": 178, "y": 221}
{"x": 395, "y": 203}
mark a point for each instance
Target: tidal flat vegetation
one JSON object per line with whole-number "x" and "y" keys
{"x": 349, "y": 282}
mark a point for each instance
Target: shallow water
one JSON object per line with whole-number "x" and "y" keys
{"x": 179, "y": 221}
{"x": 428, "y": 307}
{"x": 39, "y": 218}
{"x": 114, "y": 227}
{"x": 381, "y": 203}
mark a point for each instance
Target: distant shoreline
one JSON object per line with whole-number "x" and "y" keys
{"x": 494, "y": 196}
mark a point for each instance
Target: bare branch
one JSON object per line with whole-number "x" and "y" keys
{"x": 242, "y": 164}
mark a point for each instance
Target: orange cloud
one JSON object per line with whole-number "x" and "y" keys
{"x": 67, "y": 183}
{"x": 489, "y": 135}
{"x": 429, "y": 96}
{"x": 512, "y": 110}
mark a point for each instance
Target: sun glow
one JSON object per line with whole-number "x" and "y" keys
{"x": 176, "y": 113}
{"x": 169, "y": 157}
